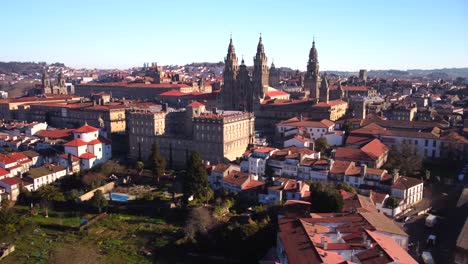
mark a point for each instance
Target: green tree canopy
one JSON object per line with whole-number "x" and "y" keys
{"x": 157, "y": 162}
{"x": 321, "y": 144}
{"x": 98, "y": 201}
{"x": 49, "y": 193}
{"x": 196, "y": 178}
{"x": 325, "y": 198}
{"x": 406, "y": 159}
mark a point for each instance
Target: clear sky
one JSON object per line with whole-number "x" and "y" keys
{"x": 350, "y": 35}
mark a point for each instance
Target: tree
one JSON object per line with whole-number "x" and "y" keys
{"x": 49, "y": 193}
{"x": 8, "y": 221}
{"x": 5, "y": 202}
{"x": 347, "y": 188}
{"x": 139, "y": 165}
{"x": 325, "y": 198}
{"x": 321, "y": 144}
{"x": 198, "y": 222}
{"x": 157, "y": 162}
{"x": 98, "y": 201}
{"x": 196, "y": 178}
{"x": 406, "y": 158}
{"x": 93, "y": 180}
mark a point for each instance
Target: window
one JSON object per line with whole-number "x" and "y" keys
{"x": 434, "y": 143}
{"x": 426, "y": 142}
{"x": 415, "y": 142}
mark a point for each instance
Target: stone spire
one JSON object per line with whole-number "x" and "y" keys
{"x": 312, "y": 77}
{"x": 324, "y": 91}
{"x": 231, "y": 70}
{"x": 46, "y": 87}
{"x": 260, "y": 74}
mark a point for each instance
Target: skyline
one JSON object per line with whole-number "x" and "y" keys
{"x": 349, "y": 37}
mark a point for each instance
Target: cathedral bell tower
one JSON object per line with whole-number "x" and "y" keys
{"x": 312, "y": 77}
{"x": 260, "y": 76}
{"x": 229, "y": 93}
{"x": 46, "y": 87}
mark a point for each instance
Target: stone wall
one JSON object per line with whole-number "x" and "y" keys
{"x": 105, "y": 189}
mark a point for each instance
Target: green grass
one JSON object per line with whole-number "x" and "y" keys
{"x": 116, "y": 239}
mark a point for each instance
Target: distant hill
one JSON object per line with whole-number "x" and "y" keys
{"x": 24, "y": 68}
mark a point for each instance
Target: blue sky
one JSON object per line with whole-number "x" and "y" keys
{"x": 350, "y": 35}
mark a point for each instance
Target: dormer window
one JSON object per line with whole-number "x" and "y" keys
{"x": 78, "y": 136}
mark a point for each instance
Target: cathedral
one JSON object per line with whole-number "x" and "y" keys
{"x": 48, "y": 88}
{"x": 246, "y": 92}
{"x": 253, "y": 92}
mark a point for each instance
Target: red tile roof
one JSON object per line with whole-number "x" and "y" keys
{"x": 276, "y": 93}
{"x": 87, "y": 155}
{"x": 56, "y": 133}
{"x": 391, "y": 248}
{"x": 174, "y": 93}
{"x": 330, "y": 103}
{"x": 306, "y": 122}
{"x": 374, "y": 149}
{"x": 76, "y": 143}
{"x": 404, "y": 183}
{"x": 6, "y": 160}
{"x": 195, "y": 104}
{"x": 12, "y": 181}
{"x": 3, "y": 172}
{"x": 86, "y": 129}
{"x": 94, "y": 142}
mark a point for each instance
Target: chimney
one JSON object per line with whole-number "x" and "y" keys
{"x": 363, "y": 170}
{"x": 330, "y": 163}
{"x": 165, "y": 106}
{"x": 396, "y": 175}
{"x": 325, "y": 245}
{"x": 299, "y": 185}
{"x": 215, "y": 110}
{"x": 364, "y": 237}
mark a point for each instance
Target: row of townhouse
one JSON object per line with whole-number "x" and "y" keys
{"x": 231, "y": 179}
{"x": 360, "y": 171}
{"x": 435, "y": 143}
{"x": 308, "y": 129}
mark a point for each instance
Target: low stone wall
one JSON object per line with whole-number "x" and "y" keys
{"x": 105, "y": 189}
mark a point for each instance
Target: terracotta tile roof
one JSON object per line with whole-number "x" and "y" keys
{"x": 236, "y": 178}
{"x": 76, "y": 143}
{"x": 378, "y": 197}
{"x": 221, "y": 167}
{"x": 264, "y": 150}
{"x": 404, "y": 182}
{"x": 56, "y": 133}
{"x": 86, "y": 129}
{"x": 341, "y": 166}
{"x": 275, "y": 93}
{"x": 330, "y": 103}
{"x": 87, "y": 155}
{"x": 253, "y": 184}
{"x": 391, "y": 248}
{"x": 174, "y": 93}
{"x": 136, "y": 85}
{"x": 94, "y": 142}
{"x": 382, "y": 223}
{"x": 11, "y": 181}
{"x": 374, "y": 149}
{"x": 195, "y": 104}
{"x": 289, "y": 202}
{"x": 358, "y": 140}
{"x": 3, "y": 172}
{"x": 65, "y": 156}
{"x": 351, "y": 154}
{"x": 6, "y": 160}
{"x": 18, "y": 156}
{"x": 306, "y": 122}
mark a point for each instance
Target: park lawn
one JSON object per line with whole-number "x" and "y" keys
{"x": 116, "y": 239}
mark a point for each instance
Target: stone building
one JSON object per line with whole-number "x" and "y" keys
{"x": 215, "y": 134}
{"x": 48, "y": 87}
{"x": 253, "y": 93}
